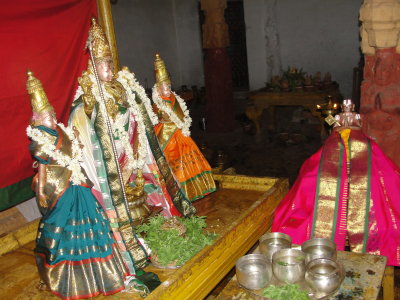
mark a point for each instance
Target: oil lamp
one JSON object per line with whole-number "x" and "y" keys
{"x": 328, "y": 110}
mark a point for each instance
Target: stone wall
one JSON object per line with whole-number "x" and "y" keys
{"x": 311, "y": 34}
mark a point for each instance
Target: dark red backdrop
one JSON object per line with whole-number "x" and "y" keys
{"x": 47, "y": 37}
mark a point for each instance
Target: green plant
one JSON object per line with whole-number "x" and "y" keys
{"x": 171, "y": 247}
{"x": 285, "y": 292}
{"x": 274, "y": 84}
{"x": 294, "y": 77}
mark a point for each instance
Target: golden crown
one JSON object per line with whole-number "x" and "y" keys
{"x": 100, "y": 46}
{"x": 160, "y": 71}
{"x": 39, "y": 101}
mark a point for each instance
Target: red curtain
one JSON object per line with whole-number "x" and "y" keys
{"x": 48, "y": 37}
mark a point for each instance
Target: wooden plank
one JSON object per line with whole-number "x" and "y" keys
{"x": 242, "y": 182}
{"x": 10, "y": 220}
{"x": 238, "y": 216}
{"x": 18, "y": 238}
{"x": 388, "y": 283}
{"x": 205, "y": 270}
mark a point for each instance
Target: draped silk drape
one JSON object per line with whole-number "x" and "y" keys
{"x": 47, "y": 37}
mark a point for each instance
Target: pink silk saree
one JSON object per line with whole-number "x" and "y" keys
{"x": 363, "y": 207}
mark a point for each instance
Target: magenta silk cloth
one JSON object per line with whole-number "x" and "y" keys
{"x": 295, "y": 214}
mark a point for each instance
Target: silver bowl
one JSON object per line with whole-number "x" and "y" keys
{"x": 319, "y": 248}
{"x": 271, "y": 242}
{"x": 253, "y": 271}
{"x": 288, "y": 265}
{"x": 324, "y": 276}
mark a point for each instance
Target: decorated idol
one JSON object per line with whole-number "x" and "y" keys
{"x": 173, "y": 133}
{"x": 75, "y": 251}
{"x": 347, "y": 118}
{"x": 121, "y": 154}
{"x": 349, "y": 190}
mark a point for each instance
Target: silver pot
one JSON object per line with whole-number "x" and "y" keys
{"x": 319, "y": 248}
{"x": 324, "y": 276}
{"x": 271, "y": 242}
{"x": 253, "y": 271}
{"x": 288, "y": 265}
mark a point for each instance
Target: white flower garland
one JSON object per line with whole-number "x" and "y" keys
{"x": 123, "y": 135}
{"x": 48, "y": 147}
{"x": 120, "y": 121}
{"x": 141, "y": 129}
{"x": 78, "y": 92}
{"x": 132, "y": 83}
{"x": 187, "y": 120}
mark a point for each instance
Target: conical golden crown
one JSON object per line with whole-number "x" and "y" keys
{"x": 39, "y": 101}
{"x": 100, "y": 46}
{"x": 160, "y": 71}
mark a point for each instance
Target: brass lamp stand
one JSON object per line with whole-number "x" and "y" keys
{"x": 328, "y": 111}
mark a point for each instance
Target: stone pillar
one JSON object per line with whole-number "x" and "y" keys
{"x": 380, "y": 89}
{"x": 217, "y": 68}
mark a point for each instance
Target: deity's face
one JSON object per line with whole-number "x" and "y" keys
{"x": 347, "y": 107}
{"x": 164, "y": 89}
{"x": 47, "y": 119}
{"x": 105, "y": 69}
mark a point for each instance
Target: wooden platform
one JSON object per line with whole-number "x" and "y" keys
{"x": 263, "y": 100}
{"x": 240, "y": 212}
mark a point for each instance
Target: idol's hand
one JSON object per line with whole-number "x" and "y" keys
{"x": 85, "y": 83}
{"x": 88, "y": 103}
{"x": 42, "y": 199}
{"x": 41, "y": 180}
{"x": 88, "y": 99}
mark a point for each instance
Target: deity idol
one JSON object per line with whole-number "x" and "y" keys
{"x": 347, "y": 118}
{"x": 75, "y": 252}
{"x": 349, "y": 190}
{"x": 173, "y": 133}
{"x": 121, "y": 153}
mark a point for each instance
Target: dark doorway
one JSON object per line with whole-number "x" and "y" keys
{"x": 234, "y": 17}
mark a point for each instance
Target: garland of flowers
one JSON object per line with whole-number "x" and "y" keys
{"x": 48, "y": 147}
{"x": 128, "y": 80}
{"x": 187, "y": 120}
{"x": 142, "y": 148}
{"x": 133, "y": 84}
{"x": 119, "y": 128}
{"x": 78, "y": 92}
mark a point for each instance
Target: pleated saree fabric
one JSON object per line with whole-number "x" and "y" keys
{"x": 75, "y": 252}
{"x": 349, "y": 190}
{"x": 186, "y": 160}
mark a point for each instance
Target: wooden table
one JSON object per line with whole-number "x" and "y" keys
{"x": 364, "y": 273}
{"x": 261, "y": 100}
{"x": 239, "y": 212}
